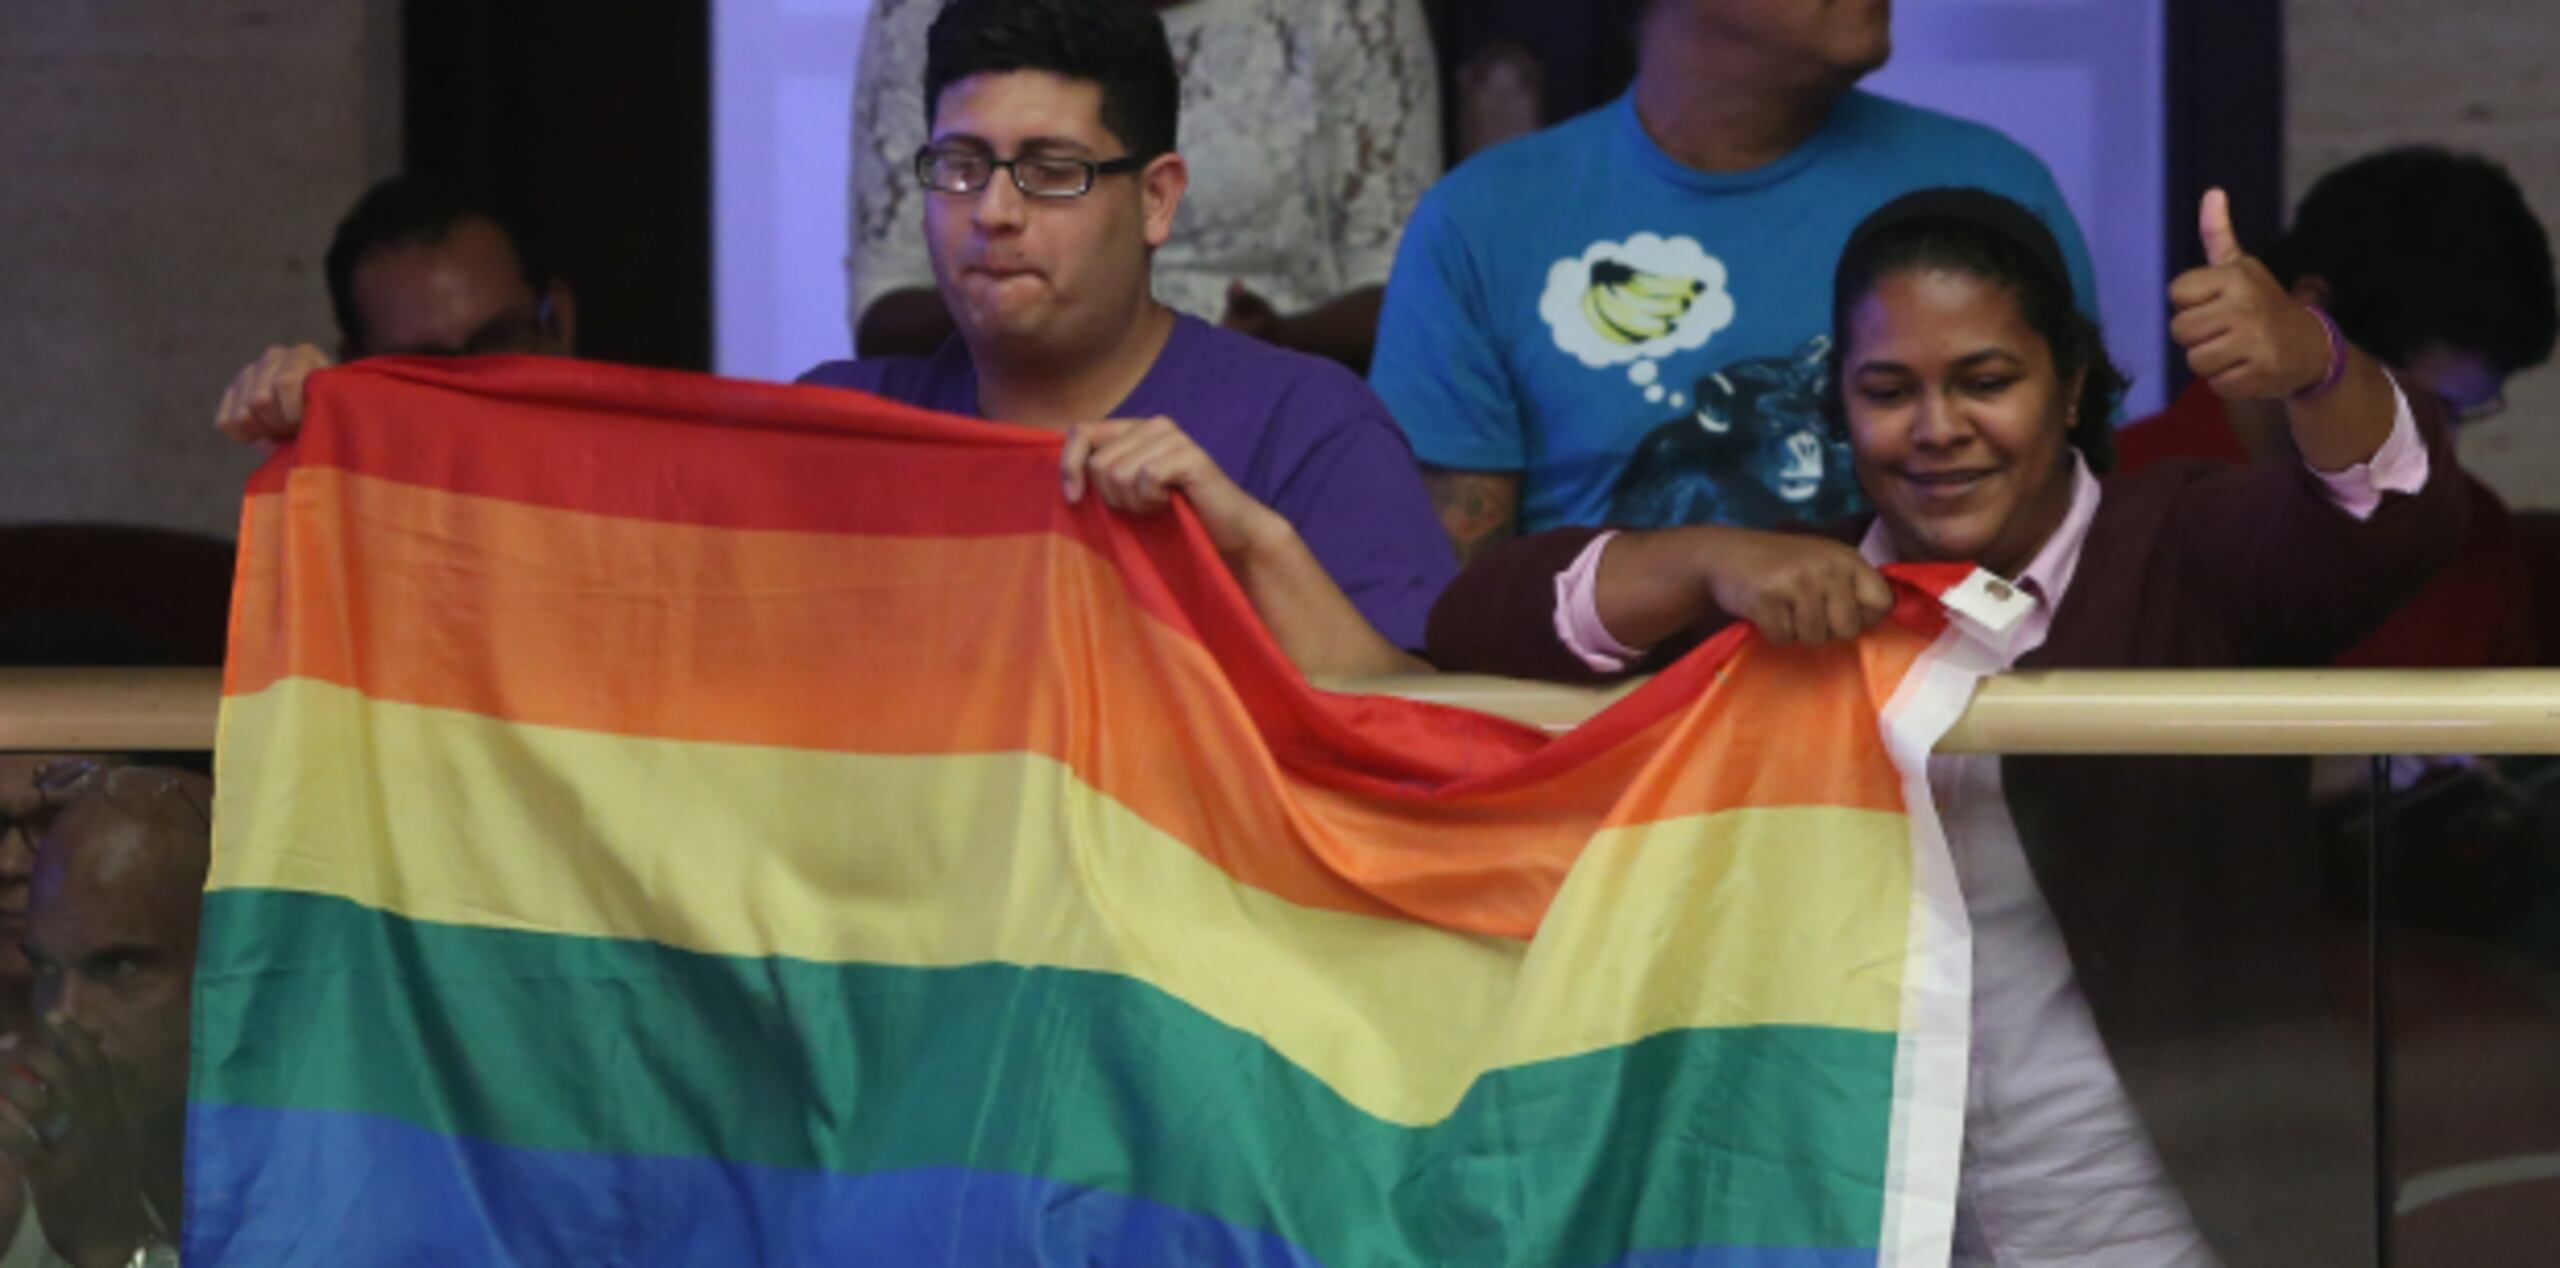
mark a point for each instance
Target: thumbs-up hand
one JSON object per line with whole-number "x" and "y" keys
{"x": 2242, "y": 332}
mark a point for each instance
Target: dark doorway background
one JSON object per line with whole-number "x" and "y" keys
{"x": 2226, "y": 127}
{"x": 1586, "y": 51}
{"x": 591, "y": 121}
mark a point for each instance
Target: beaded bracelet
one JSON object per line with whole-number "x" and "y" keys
{"x": 2337, "y": 358}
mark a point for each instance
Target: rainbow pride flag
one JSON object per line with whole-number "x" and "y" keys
{"x": 673, "y": 821}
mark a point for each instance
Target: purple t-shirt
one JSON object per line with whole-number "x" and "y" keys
{"x": 1300, "y": 433}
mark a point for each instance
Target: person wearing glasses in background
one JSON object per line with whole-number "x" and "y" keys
{"x": 93, "y": 1094}
{"x": 1050, "y": 178}
{"x": 414, "y": 270}
{"x": 2433, "y": 261}
{"x": 34, "y": 787}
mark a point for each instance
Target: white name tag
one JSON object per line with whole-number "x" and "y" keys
{"x": 1987, "y": 601}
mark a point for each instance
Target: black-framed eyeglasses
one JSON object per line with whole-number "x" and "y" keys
{"x": 964, "y": 169}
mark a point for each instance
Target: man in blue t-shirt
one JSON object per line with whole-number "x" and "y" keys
{"x": 1624, "y": 318}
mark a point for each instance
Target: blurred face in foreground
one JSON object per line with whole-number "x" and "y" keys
{"x": 111, "y": 930}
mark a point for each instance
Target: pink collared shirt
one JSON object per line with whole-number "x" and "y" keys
{"x": 2057, "y": 1165}
{"x": 2399, "y": 466}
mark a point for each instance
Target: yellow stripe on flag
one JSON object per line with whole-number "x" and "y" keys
{"x": 1779, "y": 916}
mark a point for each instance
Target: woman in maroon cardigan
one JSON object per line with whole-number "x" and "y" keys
{"x": 2158, "y": 1075}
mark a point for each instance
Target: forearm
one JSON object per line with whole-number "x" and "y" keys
{"x": 2347, "y": 424}
{"x": 1344, "y": 328}
{"x": 1478, "y": 509}
{"x": 2308, "y": 561}
{"x": 1307, "y": 613}
{"x": 1652, "y": 585}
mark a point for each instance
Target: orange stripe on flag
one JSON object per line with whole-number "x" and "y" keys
{"x": 535, "y": 615}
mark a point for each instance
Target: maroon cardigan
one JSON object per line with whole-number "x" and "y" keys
{"x": 2185, "y": 886}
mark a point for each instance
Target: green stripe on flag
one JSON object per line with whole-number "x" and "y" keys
{"x": 620, "y": 1047}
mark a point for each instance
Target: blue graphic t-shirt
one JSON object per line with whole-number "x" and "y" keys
{"x": 1646, "y": 342}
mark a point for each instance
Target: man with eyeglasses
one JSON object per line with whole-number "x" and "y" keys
{"x": 2433, "y": 261}
{"x": 1326, "y": 114}
{"x": 1050, "y": 179}
{"x": 93, "y": 1098}
{"x": 414, "y": 270}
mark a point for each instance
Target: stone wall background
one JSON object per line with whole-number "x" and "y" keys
{"x": 174, "y": 168}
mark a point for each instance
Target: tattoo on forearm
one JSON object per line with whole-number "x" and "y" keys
{"x": 1476, "y": 509}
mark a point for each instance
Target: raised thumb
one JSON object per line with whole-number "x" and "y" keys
{"x": 2213, "y": 220}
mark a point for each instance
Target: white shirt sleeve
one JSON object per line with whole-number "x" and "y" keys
{"x": 2399, "y": 466}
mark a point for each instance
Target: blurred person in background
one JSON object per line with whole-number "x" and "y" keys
{"x": 2431, "y": 260}
{"x": 418, "y": 270}
{"x": 93, "y": 1101}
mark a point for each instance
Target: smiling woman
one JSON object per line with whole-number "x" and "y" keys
{"x": 1929, "y": 339}
{"x": 1973, "y": 378}
{"x": 1975, "y": 402}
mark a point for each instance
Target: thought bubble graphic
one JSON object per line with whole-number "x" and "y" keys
{"x": 1635, "y": 301}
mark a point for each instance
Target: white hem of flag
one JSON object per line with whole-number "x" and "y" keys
{"x": 1932, "y": 1060}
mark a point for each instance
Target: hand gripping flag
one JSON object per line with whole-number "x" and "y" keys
{"x": 671, "y": 821}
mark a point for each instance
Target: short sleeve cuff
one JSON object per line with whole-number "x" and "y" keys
{"x": 1578, "y": 613}
{"x": 2399, "y": 466}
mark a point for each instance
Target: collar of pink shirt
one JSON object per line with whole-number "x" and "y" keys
{"x": 2045, "y": 579}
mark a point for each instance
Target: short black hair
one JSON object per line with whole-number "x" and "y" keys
{"x": 2423, "y": 245}
{"x": 1981, "y": 234}
{"x": 1118, "y": 44}
{"x": 409, "y": 211}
